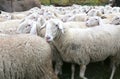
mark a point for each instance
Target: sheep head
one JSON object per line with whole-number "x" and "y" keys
{"x": 25, "y": 26}
{"x": 53, "y": 28}
{"x": 93, "y": 21}
{"x": 115, "y": 20}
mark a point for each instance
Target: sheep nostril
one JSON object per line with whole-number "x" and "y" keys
{"x": 47, "y": 37}
{"x": 86, "y": 23}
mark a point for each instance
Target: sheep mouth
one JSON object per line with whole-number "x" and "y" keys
{"x": 48, "y": 40}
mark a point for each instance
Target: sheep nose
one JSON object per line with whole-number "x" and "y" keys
{"x": 86, "y": 23}
{"x": 47, "y": 37}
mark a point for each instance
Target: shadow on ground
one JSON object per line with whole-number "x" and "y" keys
{"x": 100, "y": 70}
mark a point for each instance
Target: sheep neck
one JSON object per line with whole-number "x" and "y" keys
{"x": 58, "y": 40}
{"x": 58, "y": 36}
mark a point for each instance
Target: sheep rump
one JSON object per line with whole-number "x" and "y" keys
{"x": 25, "y": 57}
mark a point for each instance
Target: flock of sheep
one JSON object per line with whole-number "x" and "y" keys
{"x": 31, "y": 41}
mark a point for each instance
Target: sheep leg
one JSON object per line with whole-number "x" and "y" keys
{"x": 73, "y": 71}
{"x": 113, "y": 71}
{"x": 82, "y": 71}
{"x": 58, "y": 68}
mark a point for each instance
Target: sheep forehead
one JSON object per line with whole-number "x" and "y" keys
{"x": 95, "y": 18}
{"x": 51, "y": 25}
{"x": 117, "y": 17}
{"x": 28, "y": 22}
{"x": 55, "y": 21}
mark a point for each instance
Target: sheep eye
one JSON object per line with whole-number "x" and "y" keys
{"x": 56, "y": 25}
{"x": 28, "y": 25}
{"x": 96, "y": 19}
{"x": 117, "y": 18}
{"x": 34, "y": 17}
{"x": 69, "y": 16}
{"x": 87, "y": 19}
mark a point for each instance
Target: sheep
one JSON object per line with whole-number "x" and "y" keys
{"x": 96, "y": 21}
{"x": 17, "y": 16}
{"x": 78, "y": 17}
{"x": 25, "y": 26}
{"x": 25, "y": 56}
{"x": 9, "y": 26}
{"x": 115, "y": 20}
{"x": 109, "y": 16}
{"x": 5, "y": 16}
{"x": 35, "y": 29}
{"x": 73, "y": 24}
{"x": 94, "y": 12}
{"x": 115, "y": 10}
{"x": 63, "y": 17}
{"x": 93, "y": 21}
{"x": 82, "y": 46}
{"x": 28, "y": 22}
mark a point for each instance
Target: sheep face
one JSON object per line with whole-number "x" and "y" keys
{"x": 116, "y": 20}
{"x": 92, "y": 21}
{"x": 33, "y": 16}
{"x": 53, "y": 27}
{"x": 6, "y": 16}
{"x": 26, "y": 26}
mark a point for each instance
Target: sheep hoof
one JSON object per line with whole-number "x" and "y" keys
{"x": 84, "y": 77}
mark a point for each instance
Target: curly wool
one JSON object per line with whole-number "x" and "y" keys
{"x": 25, "y": 57}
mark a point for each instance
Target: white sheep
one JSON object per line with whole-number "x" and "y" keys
{"x": 95, "y": 21}
{"x": 83, "y": 46}
{"x": 94, "y": 12}
{"x": 9, "y": 26}
{"x": 78, "y": 17}
{"x": 25, "y": 26}
{"x": 109, "y": 16}
{"x": 34, "y": 28}
{"x": 25, "y": 57}
{"x": 73, "y": 24}
{"x": 5, "y": 16}
{"x": 115, "y": 20}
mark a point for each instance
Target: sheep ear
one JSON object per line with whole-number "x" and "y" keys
{"x": 100, "y": 21}
{"x": 43, "y": 26}
{"x": 103, "y": 17}
{"x": 61, "y": 27}
{"x": 33, "y": 30}
{"x": 22, "y": 20}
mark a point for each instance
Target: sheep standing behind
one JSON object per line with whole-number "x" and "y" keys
{"x": 78, "y": 17}
{"x": 83, "y": 46}
{"x": 73, "y": 24}
{"x": 96, "y": 21}
{"x": 115, "y": 20}
{"x": 9, "y": 26}
{"x": 5, "y": 16}
{"x": 94, "y": 12}
{"x": 25, "y": 26}
{"x": 25, "y": 57}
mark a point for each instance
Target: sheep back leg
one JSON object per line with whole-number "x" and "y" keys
{"x": 73, "y": 71}
{"x": 58, "y": 68}
{"x": 113, "y": 71}
{"x": 82, "y": 71}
